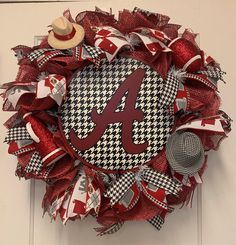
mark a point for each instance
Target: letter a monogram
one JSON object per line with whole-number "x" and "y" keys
{"x": 109, "y": 115}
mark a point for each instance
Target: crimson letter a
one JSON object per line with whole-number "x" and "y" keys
{"x": 109, "y": 115}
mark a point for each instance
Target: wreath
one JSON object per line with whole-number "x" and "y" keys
{"x": 115, "y": 115}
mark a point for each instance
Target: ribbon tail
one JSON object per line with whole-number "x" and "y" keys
{"x": 156, "y": 195}
{"x": 120, "y": 187}
{"x": 17, "y": 133}
{"x": 110, "y": 229}
{"x": 157, "y": 222}
{"x": 162, "y": 181}
{"x": 35, "y": 164}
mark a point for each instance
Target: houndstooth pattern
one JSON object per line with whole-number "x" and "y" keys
{"x": 169, "y": 90}
{"x": 118, "y": 189}
{"x": 94, "y": 52}
{"x": 161, "y": 180}
{"x": 37, "y": 53}
{"x": 18, "y": 133}
{"x": 157, "y": 222}
{"x": 76, "y": 52}
{"x": 48, "y": 171}
{"x": 91, "y": 88}
{"x": 47, "y": 56}
{"x": 24, "y": 150}
{"x": 214, "y": 73}
{"x": 111, "y": 230}
{"x": 35, "y": 164}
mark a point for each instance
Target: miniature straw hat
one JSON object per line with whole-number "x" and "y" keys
{"x": 185, "y": 153}
{"x": 64, "y": 34}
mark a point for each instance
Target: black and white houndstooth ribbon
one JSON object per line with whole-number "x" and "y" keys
{"x": 157, "y": 221}
{"x": 160, "y": 180}
{"x": 110, "y": 230}
{"x": 35, "y": 164}
{"x": 18, "y": 133}
{"x": 215, "y": 73}
{"x": 169, "y": 90}
{"x": 94, "y": 52}
{"x": 120, "y": 187}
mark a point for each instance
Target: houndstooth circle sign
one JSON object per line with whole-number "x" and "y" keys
{"x": 116, "y": 117}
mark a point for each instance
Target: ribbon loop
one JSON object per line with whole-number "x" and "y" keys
{"x": 162, "y": 181}
{"x": 120, "y": 187}
{"x": 18, "y": 133}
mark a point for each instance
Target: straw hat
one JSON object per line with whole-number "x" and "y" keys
{"x": 65, "y": 34}
{"x": 184, "y": 152}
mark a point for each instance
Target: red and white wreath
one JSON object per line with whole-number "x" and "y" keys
{"x": 116, "y": 116}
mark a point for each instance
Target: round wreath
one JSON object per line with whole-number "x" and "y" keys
{"x": 115, "y": 115}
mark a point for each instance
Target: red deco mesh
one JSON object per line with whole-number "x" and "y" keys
{"x": 203, "y": 99}
{"x": 186, "y": 195}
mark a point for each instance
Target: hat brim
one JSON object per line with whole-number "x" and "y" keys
{"x": 73, "y": 42}
{"x": 176, "y": 166}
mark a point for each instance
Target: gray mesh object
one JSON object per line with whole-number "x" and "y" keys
{"x": 184, "y": 152}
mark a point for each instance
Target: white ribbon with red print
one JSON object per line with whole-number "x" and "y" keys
{"x": 85, "y": 197}
{"x": 214, "y": 124}
{"x": 111, "y": 40}
{"x": 54, "y": 86}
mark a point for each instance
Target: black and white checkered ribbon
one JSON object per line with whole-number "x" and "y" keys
{"x": 157, "y": 222}
{"x": 169, "y": 90}
{"x": 214, "y": 73}
{"x": 24, "y": 150}
{"x": 94, "y": 52}
{"x": 160, "y": 180}
{"x": 42, "y": 56}
{"x": 18, "y": 133}
{"x": 110, "y": 230}
{"x": 47, "y": 56}
{"x": 35, "y": 164}
{"x": 120, "y": 187}
{"x": 38, "y": 52}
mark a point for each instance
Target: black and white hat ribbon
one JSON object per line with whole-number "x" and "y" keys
{"x": 120, "y": 187}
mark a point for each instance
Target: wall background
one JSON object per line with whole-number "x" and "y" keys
{"x": 211, "y": 220}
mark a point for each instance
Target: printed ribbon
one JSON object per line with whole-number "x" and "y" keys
{"x": 53, "y": 86}
{"x": 17, "y": 133}
{"x": 108, "y": 230}
{"x": 110, "y": 40}
{"x": 84, "y": 197}
{"x": 157, "y": 221}
{"x": 79, "y": 53}
{"x": 209, "y": 77}
{"x": 215, "y": 124}
{"x": 153, "y": 184}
